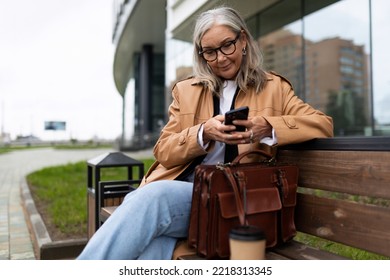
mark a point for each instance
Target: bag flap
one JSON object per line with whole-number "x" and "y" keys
{"x": 258, "y": 201}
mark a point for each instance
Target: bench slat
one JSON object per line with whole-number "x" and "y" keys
{"x": 269, "y": 256}
{"x": 106, "y": 212}
{"x": 354, "y": 224}
{"x": 358, "y": 173}
{"x": 298, "y": 251}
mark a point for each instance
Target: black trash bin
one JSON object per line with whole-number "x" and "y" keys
{"x": 108, "y": 193}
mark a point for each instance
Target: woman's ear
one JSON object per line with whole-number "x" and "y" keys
{"x": 243, "y": 38}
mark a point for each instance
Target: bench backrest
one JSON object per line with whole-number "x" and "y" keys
{"x": 344, "y": 190}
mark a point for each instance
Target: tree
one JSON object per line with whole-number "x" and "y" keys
{"x": 347, "y": 110}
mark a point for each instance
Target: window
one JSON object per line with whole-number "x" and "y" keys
{"x": 329, "y": 53}
{"x": 324, "y": 53}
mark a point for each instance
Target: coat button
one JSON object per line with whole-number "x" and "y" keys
{"x": 291, "y": 123}
{"x": 182, "y": 140}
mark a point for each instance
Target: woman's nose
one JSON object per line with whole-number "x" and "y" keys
{"x": 220, "y": 55}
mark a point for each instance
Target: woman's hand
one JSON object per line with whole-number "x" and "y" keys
{"x": 259, "y": 128}
{"x": 215, "y": 130}
{"x": 256, "y": 129}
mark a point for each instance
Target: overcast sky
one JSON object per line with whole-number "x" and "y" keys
{"x": 56, "y": 65}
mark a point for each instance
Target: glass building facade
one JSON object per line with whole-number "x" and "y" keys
{"x": 333, "y": 52}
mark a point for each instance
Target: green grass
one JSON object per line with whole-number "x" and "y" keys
{"x": 6, "y": 149}
{"x": 10, "y": 148}
{"x": 62, "y": 191}
{"x": 82, "y": 146}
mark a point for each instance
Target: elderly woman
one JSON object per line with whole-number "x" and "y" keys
{"x": 227, "y": 74}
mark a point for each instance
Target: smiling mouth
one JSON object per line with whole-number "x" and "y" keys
{"x": 224, "y": 67}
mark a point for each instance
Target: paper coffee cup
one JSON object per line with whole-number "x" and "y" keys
{"x": 247, "y": 243}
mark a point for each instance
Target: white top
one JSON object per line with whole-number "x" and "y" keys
{"x": 218, "y": 153}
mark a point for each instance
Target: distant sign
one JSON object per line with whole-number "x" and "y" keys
{"x": 55, "y": 125}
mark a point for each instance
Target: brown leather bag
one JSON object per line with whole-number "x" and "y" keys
{"x": 261, "y": 194}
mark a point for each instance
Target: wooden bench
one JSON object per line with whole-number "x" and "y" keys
{"x": 343, "y": 196}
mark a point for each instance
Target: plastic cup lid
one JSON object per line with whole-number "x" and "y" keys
{"x": 247, "y": 233}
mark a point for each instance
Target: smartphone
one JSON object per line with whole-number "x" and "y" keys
{"x": 237, "y": 114}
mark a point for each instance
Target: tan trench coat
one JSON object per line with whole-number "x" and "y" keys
{"x": 293, "y": 121}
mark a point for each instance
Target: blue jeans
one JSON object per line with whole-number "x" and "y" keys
{"x": 146, "y": 225}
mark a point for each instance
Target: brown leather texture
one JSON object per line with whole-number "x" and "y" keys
{"x": 261, "y": 194}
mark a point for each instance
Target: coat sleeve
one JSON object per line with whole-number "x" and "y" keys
{"x": 299, "y": 121}
{"x": 178, "y": 141}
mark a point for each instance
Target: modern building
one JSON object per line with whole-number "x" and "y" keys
{"x": 344, "y": 64}
{"x": 139, "y": 67}
{"x": 333, "y": 52}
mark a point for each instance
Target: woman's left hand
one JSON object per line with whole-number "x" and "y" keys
{"x": 256, "y": 128}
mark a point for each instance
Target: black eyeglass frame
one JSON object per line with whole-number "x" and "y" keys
{"x": 220, "y": 49}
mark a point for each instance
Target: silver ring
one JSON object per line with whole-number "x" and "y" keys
{"x": 251, "y": 137}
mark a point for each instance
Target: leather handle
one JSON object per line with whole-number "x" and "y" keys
{"x": 240, "y": 208}
{"x": 244, "y": 154}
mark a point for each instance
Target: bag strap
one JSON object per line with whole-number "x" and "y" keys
{"x": 237, "y": 160}
{"x": 282, "y": 184}
{"x": 240, "y": 209}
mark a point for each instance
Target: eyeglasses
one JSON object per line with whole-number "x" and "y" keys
{"x": 227, "y": 49}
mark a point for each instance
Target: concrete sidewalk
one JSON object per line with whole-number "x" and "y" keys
{"x": 15, "y": 239}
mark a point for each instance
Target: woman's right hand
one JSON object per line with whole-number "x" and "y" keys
{"x": 215, "y": 130}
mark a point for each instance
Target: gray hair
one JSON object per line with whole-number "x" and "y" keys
{"x": 250, "y": 73}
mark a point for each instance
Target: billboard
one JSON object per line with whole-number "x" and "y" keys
{"x": 55, "y": 125}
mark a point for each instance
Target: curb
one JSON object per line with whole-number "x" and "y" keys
{"x": 44, "y": 247}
